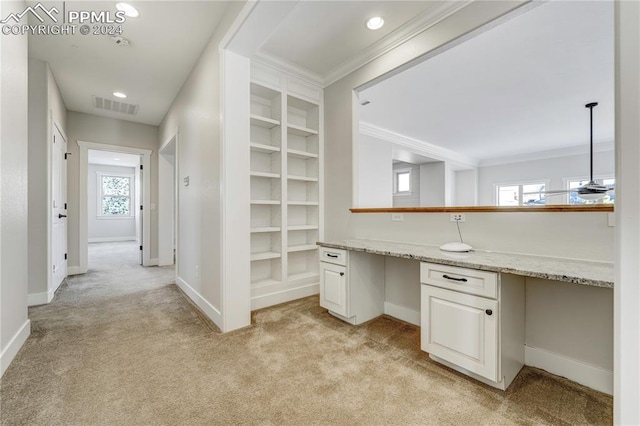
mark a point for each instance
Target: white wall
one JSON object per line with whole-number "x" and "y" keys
{"x": 552, "y": 234}
{"x": 14, "y": 325}
{"x": 432, "y": 184}
{"x": 108, "y": 229}
{"x": 627, "y": 292}
{"x": 45, "y": 107}
{"x": 466, "y": 188}
{"x": 196, "y": 112}
{"x": 375, "y": 178}
{"x": 552, "y": 169}
{"x": 92, "y": 128}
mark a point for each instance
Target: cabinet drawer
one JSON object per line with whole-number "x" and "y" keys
{"x": 335, "y": 256}
{"x": 465, "y": 280}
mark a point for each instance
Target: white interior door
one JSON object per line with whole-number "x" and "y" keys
{"x": 59, "y": 209}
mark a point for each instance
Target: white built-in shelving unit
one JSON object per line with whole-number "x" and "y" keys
{"x": 286, "y": 149}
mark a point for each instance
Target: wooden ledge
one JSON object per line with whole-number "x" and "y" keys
{"x": 558, "y": 208}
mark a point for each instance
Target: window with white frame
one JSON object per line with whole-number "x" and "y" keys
{"x": 402, "y": 182}
{"x": 609, "y": 198}
{"x": 521, "y": 194}
{"x": 115, "y": 195}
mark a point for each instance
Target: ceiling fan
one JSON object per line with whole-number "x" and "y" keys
{"x": 590, "y": 190}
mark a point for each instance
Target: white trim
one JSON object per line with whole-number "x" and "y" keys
{"x": 83, "y": 214}
{"x": 153, "y": 261}
{"x": 207, "y": 308}
{"x": 111, "y": 239}
{"x": 396, "y": 38}
{"x": 419, "y": 147}
{"x": 288, "y": 68}
{"x": 36, "y": 299}
{"x": 588, "y": 375}
{"x": 14, "y": 345}
{"x": 74, "y": 270}
{"x": 402, "y": 313}
{"x": 545, "y": 155}
{"x": 275, "y": 298}
{"x": 168, "y": 208}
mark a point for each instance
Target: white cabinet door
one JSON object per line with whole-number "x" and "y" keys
{"x": 333, "y": 288}
{"x": 461, "y": 329}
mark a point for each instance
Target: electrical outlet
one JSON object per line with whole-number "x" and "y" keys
{"x": 397, "y": 217}
{"x": 458, "y": 217}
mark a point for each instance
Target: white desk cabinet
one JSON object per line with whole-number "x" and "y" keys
{"x": 351, "y": 284}
{"x": 473, "y": 321}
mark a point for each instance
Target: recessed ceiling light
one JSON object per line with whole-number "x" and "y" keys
{"x": 128, "y": 10}
{"x": 119, "y": 95}
{"x": 375, "y": 23}
{"x": 116, "y": 159}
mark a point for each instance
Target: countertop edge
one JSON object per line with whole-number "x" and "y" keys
{"x": 474, "y": 265}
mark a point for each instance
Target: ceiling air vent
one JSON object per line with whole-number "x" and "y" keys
{"x": 115, "y": 106}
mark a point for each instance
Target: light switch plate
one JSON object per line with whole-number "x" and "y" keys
{"x": 186, "y": 181}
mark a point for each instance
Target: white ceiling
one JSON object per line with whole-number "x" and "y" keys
{"x": 520, "y": 87}
{"x": 109, "y": 158}
{"x": 166, "y": 40}
{"x": 320, "y": 36}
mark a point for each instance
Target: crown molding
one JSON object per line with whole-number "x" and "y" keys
{"x": 419, "y": 147}
{"x": 545, "y": 155}
{"x": 394, "y": 39}
{"x": 288, "y": 68}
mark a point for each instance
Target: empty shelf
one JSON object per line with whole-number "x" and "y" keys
{"x": 302, "y": 247}
{"x": 301, "y": 227}
{"x": 303, "y": 178}
{"x": 260, "y": 147}
{"x": 266, "y": 202}
{"x": 266, "y": 175}
{"x": 301, "y": 131}
{"x": 265, "y": 255}
{"x": 305, "y": 275}
{"x": 267, "y": 122}
{"x": 265, "y": 229}
{"x": 301, "y": 154}
{"x": 303, "y": 203}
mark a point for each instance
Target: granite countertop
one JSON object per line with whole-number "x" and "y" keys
{"x": 599, "y": 274}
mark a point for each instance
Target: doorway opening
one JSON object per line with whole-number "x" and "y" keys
{"x": 114, "y": 202}
{"x": 115, "y": 190}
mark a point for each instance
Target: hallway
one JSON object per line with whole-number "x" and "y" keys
{"x": 122, "y": 345}
{"x": 110, "y": 255}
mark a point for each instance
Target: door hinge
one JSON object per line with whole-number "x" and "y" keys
{"x": 140, "y": 247}
{"x": 140, "y": 166}
{"x": 65, "y": 206}
{"x": 65, "y": 256}
{"x": 66, "y": 154}
{"x": 140, "y": 207}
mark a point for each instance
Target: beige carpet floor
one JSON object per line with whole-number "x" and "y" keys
{"x": 122, "y": 345}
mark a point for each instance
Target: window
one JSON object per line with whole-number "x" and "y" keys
{"x": 115, "y": 195}
{"x": 521, "y": 194}
{"x": 609, "y": 198}
{"x": 402, "y": 182}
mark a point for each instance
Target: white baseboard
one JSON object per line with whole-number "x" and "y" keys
{"x": 9, "y": 353}
{"x": 402, "y": 313}
{"x": 588, "y": 375}
{"x": 153, "y": 261}
{"x": 277, "y": 297}
{"x": 35, "y": 299}
{"x": 74, "y": 270}
{"x": 209, "y": 310}
{"x": 110, "y": 239}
